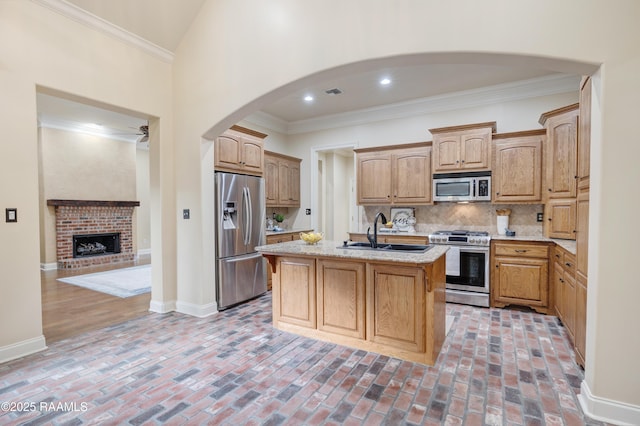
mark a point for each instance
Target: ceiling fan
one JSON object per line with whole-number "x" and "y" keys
{"x": 144, "y": 133}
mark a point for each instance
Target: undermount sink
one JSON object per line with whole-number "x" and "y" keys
{"x": 410, "y": 248}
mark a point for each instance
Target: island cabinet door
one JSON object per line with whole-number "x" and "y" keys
{"x": 396, "y": 313}
{"x": 294, "y": 292}
{"x": 341, "y": 301}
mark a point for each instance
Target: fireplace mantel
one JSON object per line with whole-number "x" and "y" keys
{"x": 88, "y": 203}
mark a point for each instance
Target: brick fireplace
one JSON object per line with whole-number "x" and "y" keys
{"x": 91, "y": 222}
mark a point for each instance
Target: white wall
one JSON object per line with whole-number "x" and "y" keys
{"x": 44, "y": 50}
{"x": 142, "y": 214}
{"x": 290, "y": 44}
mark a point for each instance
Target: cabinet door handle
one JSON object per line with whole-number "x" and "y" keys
{"x": 568, "y": 264}
{"x": 558, "y": 256}
{"x": 561, "y": 280}
{"x": 521, "y": 251}
{"x": 497, "y": 193}
{"x": 497, "y": 266}
{"x": 549, "y": 219}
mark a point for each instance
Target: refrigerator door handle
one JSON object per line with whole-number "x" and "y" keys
{"x": 246, "y": 229}
{"x": 250, "y": 209}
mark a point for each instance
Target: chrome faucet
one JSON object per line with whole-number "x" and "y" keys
{"x": 373, "y": 240}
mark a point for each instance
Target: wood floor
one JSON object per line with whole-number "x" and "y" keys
{"x": 69, "y": 310}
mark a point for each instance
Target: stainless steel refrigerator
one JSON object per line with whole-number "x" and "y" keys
{"x": 240, "y": 227}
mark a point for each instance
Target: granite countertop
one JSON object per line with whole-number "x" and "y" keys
{"x": 568, "y": 245}
{"x": 333, "y": 249}
{"x": 288, "y": 231}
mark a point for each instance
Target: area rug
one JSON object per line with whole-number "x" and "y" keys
{"x": 123, "y": 283}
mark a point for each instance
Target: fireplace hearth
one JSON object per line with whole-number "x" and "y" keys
{"x": 96, "y": 244}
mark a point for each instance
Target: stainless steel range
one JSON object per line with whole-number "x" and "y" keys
{"x": 467, "y": 265}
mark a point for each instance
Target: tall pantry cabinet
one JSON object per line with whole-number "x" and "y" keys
{"x": 582, "y": 218}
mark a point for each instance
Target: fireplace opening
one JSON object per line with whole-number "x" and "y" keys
{"x": 96, "y": 244}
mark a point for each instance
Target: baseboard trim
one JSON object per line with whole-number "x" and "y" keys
{"x": 607, "y": 410}
{"x": 200, "y": 311}
{"x": 22, "y": 349}
{"x": 162, "y": 307}
{"x": 48, "y": 266}
{"x": 143, "y": 252}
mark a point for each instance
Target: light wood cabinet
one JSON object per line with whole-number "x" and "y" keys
{"x": 280, "y": 238}
{"x": 561, "y": 218}
{"x": 584, "y": 134}
{"x": 239, "y": 150}
{"x": 565, "y": 289}
{"x": 392, "y": 287}
{"x": 282, "y": 180}
{"x": 520, "y": 275}
{"x": 394, "y": 175}
{"x": 561, "y": 151}
{"x": 462, "y": 148}
{"x": 582, "y": 243}
{"x": 393, "y": 308}
{"x": 580, "y": 334}
{"x": 517, "y": 171}
{"x": 341, "y": 297}
{"x": 294, "y": 300}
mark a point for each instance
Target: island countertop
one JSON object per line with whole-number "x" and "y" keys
{"x": 328, "y": 248}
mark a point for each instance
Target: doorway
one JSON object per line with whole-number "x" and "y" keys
{"x": 88, "y": 151}
{"x": 333, "y": 186}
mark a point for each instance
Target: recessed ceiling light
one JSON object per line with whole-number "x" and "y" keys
{"x": 308, "y": 98}
{"x": 385, "y": 81}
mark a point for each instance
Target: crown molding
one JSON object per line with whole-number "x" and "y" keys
{"x": 92, "y": 21}
{"x": 74, "y": 128}
{"x": 532, "y": 88}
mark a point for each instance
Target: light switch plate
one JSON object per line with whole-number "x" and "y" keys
{"x": 307, "y": 212}
{"x": 11, "y": 215}
{"x": 186, "y": 213}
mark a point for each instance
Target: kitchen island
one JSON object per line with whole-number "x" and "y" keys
{"x": 392, "y": 303}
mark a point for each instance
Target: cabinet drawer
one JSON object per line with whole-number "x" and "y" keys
{"x": 273, "y": 239}
{"x": 558, "y": 255}
{"x": 569, "y": 263}
{"x": 521, "y": 250}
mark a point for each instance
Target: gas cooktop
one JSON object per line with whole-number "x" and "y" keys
{"x": 460, "y": 237}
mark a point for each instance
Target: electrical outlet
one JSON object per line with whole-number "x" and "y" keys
{"x": 539, "y": 217}
{"x": 307, "y": 212}
{"x": 186, "y": 214}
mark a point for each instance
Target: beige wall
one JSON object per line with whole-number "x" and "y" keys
{"x": 212, "y": 84}
{"x": 43, "y": 49}
{"x": 76, "y": 166}
{"x": 289, "y": 43}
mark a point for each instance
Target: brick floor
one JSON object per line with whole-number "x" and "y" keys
{"x": 497, "y": 366}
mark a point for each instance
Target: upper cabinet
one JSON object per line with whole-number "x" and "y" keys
{"x": 517, "y": 171}
{"x": 239, "y": 150}
{"x": 282, "y": 180}
{"x": 584, "y": 133}
{"x": 562, "y": 149}
{"x": 462, "y": 148}
{"x": 400, "y": 174}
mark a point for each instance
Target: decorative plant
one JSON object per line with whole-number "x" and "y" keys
{"x": 279, "y": 218}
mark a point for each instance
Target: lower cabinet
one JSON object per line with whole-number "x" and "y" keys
{"x": 520, "y": 275}
{"x": 341, "y": 297}
{"x": 279, "y": 238}
{"x": 580, "y": 334}
{"x": 396, "y": 315}
{"x": 567, "y": 293}
{"x": 392, "y": 309}
{"x": 294, "y": 300}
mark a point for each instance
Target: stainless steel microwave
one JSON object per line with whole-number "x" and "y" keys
{"x": 457, "y": 187}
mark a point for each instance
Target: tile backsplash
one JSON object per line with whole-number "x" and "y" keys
{"x": 472, "y": 216}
